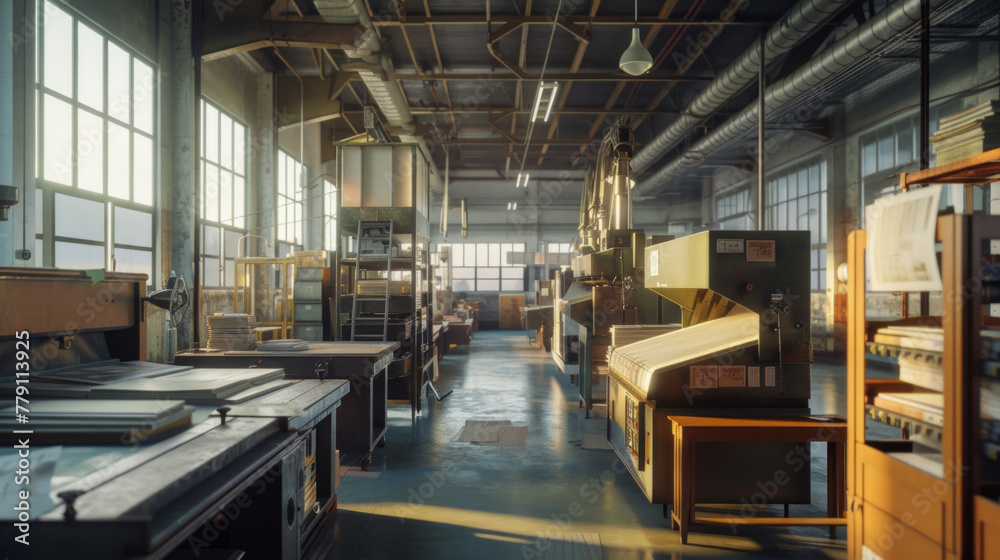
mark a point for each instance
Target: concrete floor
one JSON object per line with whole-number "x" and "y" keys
{"x": 428, "y": 497}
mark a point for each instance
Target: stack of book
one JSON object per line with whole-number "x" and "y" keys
{"x": 967, "y": 134}
{"x": 925, "y": 407}
{"x": 923, "y": 370}
{"x": 232, "y": 331}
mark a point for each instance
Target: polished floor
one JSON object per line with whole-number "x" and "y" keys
{"x": 428, "y": 497}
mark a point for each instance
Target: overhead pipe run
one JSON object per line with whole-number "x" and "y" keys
{"x": 378, "y": 73}
{"x": 874, "y": 33}
{"x": 794, "y": 27}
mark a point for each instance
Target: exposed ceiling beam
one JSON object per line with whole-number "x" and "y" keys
{"x": 508, "y": 111}
{"x": 515, "y": 20}
{"x": 440, "y": 67}
{"x": 499, "y": 141}
{"x": 240, "y": 38}
{"x": 558, "y": 76}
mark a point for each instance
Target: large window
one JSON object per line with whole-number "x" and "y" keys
{"x": 732, "y": 210}
{"x": 796, "y": 200}
{"x": 483, "y": 267}
{"x": 289, "y": 204}
{"x": 223, "y": 193}
{"x": 96, "y": 156}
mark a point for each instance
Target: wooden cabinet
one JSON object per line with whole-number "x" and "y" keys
{"x": 931, "y": 493}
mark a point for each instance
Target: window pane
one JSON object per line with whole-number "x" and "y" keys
{"x": 134, "y": 260}
{"x": 228, "y": 273}
{"x": 470, "y": 254}
{"x": 226, "y": 197}
{"x": 482, "y": 254}
{"x": 211, "y": 119}
{"x": 210, "y": 274}
{"x": 822, "y": 217}
{"x": 494, "y": 254}
{"x": 803, "y": 182}
{"x": 511, "y": 273}
{"x": 462, "y": 285}
{"x": 782, "y": 189}
{"x": 239, "y": 202}
{"x": 133, "y": 227}
{"x": 143, "y": 94}
{"x": 869, "y": 163}
{"x": 89, "y": 67}
{"x": 457, "y": 255}
{"x": 482, "y": 272}
{"x": 90, "y": 151}
{"x": 226, "y": 141}
{"x": 210, "y": 239}
{"x": 793, "y": 186}
{"x": 58, "y": 141}
{"x": 142, "y": 167}
{"x": 57, "y": 27}
{"x": 886, "y": 152}
{"x": 904, "y": 144}
{"x": 79, "y": 218}
{"x": 512, "y": 285}
{"x": 78, "y": 255}
{"x": 488, "y": 285}
{"x": 813, "y": 178}
{"x": 239, "y": 148}
{"x": 211, "y": 195}
{"x": 466, "y": 272}
{"x": 119, "y": 72}
{"x": 232, "y": 239}
{"x": 118, "y": 161}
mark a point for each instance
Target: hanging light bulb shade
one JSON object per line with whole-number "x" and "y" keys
{"x": 636, "y": 59}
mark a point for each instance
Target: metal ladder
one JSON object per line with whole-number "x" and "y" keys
{"x": 374, "y": 249}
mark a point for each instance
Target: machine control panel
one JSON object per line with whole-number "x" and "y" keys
{"x": 634, "y": 429}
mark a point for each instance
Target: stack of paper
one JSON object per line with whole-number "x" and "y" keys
{"x": 627, "y": 334}
{"x": 286, "y": 345}
{"x": 969, "y": 133}
{"x": 200, "y": 386}
{"x": 232, "y": 331}
{"x": 95, "y": 420}
{"x": 926, "y": 407}
{"x": 925, "y": 372}
{"x": 916, "y": 338}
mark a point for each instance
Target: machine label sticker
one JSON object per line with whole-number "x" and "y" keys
{"x": 729, "y": 246}
{"x": 732, "y": 376}
{"x": 654, "y": 263}
{"x": 753, "y": 376}
{"x": 769, "y": 376}
{"x": 704, "y": 377}
{"x": 760, "y": 251}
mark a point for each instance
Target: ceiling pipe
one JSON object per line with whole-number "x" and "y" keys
{"x": 874, "y": 33}
{"x": 380, "y": 78}
{"x": 794, "y": 27}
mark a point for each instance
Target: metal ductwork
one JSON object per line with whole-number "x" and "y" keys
{"x": 874, "y": 33}
{"x": 801, "y": 21}
{"x": 380, "y": 77}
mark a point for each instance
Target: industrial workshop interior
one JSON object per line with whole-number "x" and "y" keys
{"x": 502, "y": 279}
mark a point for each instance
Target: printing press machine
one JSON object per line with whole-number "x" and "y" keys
{"x": 252, "y": 480}
{"x": 744, "y": 351}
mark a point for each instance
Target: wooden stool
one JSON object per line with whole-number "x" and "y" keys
{"x": 689, "y": 430}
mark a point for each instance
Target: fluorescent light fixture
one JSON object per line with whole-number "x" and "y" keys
{"x": 521, "y": 176}
{"x": 552, "y": 100}
{"x": 545, "y": 98}
{"x": 512, "y": 206}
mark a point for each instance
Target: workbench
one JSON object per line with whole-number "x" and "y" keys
{"x": 363, "y": 412}
{"x": 688, "y": 431}
{"x": 227, "y": 483}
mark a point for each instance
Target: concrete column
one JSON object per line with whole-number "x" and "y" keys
{"x": 312, "y": 211}
{"x": 262, "y": 188}
{"x": 17, "y": 130}
{"x": 182, "y": 186}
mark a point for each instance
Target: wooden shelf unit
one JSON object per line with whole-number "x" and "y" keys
{"x": 905, "y": 502}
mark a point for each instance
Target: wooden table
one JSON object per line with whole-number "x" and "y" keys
{"x": 690, "y": 430}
